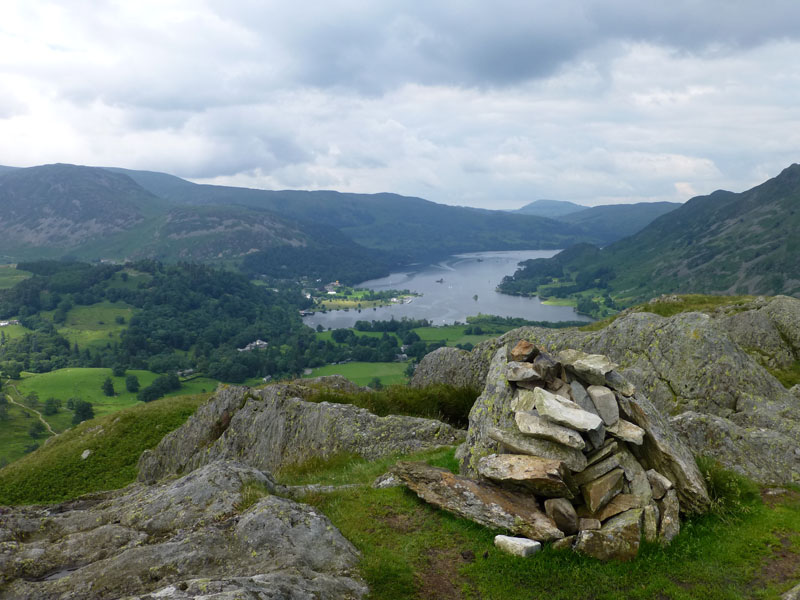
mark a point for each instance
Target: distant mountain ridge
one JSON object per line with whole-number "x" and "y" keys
{"x": 730, "y": 243}
{"x": 549, "y": 208}
{"x": 53, "y": 211}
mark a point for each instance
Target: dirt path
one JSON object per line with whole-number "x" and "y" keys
{"x": 23, "y": 407}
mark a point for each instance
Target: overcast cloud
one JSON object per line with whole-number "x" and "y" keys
{"x": 458, "y": 102}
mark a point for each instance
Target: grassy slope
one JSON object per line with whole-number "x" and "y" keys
{"x": 81, "y": 383}
{"x": 56, "y": 471}
{"x": 96, "y": 324}
{"x": 411, "y": 550}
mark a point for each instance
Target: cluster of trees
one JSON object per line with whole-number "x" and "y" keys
{"x": 160, "y": 387}
{"x": 188, "y": 316}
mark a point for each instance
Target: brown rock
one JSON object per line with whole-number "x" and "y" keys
{"x": 524, "y": 351}
{"x": 618, "y": 504}
{"x": 599, "y": 492}
{"x": 597, "y": 470}
{"x": 585, "y": 524}
{"x": 618, "y": 539}
{"x": 519, "y": 443}
{"x": 563, "y": 514}
{"x": 544, "y": 477}
{"x": 482, "y": 502}
{"x": 627, "y": 432}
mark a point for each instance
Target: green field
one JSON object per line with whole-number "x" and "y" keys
{"x": 83, "y": 383}
{"x": 10, "y": 276}
{"x": 362, "y": 373}
{"x": 95, "y": 324}
{"x": 13, "y": 331}
{"x": 451, "y": 334}
{"x": 327, "y": 336}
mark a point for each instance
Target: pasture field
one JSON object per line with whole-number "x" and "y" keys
{"x": 362, "y": 373}
{"x": 96, "y": 324}
{"x": 10, "y": 276}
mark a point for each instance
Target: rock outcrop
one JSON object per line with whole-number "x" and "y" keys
{"x": 526, "y": 430}
{"x": 186, "y": 538}
{"x": 693, "y": 363}
{"x": 274, "y": 427}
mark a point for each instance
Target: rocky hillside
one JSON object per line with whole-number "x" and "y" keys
{"x": 706, "y": 372}
{"x": 63, "y": 206}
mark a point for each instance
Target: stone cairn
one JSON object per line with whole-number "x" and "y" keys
{"x": 571, "y": 451}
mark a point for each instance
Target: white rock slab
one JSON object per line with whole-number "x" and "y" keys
{"x": 518, "y": 546}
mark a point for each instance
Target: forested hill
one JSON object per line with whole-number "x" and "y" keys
{"x": 730, "y": 243}
{"x": 412, "y": 229}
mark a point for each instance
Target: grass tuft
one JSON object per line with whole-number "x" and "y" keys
{"x": 251, "y": 492}
{"x": 732, "y": 495}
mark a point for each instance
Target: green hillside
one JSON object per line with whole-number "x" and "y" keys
{"x": 726, "y": 243}
{"x": 619, "y": 220}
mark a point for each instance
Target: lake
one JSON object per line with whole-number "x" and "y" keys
{"x": 462, "y": 277}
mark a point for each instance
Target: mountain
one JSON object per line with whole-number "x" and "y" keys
{"x": 618, "y": 220}
{"x": 411, "y": 228}
{"x": 549, "y": 208}
{"x": 729, "y": 243}
{"x": 55, "y": 207}
{"x": 4, "y": 170}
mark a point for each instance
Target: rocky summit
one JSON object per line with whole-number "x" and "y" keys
{"x": 520, "y": 465}
{"x": 707, "y": 373}
{"x": 192, "y": 537}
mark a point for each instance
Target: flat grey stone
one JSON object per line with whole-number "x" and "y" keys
{"x": 534, "y": 425}
{"x": 522, "y": 371}
{"x": 658, "y": 483}
{"x": 543, "y": 476}
{"x": 519, "y": 443}
{"x": 565, "y": 413}
{"x": 605, "y": 401}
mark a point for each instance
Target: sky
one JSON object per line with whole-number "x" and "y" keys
{"x": 472, "y": 103}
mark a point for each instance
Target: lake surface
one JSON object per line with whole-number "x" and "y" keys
{"x": 462, "y": 278}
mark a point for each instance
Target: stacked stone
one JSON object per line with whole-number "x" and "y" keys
{"x": 573, "y": 449}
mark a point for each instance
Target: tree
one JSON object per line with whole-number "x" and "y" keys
{"x": 51, "y": 406}
{"x": 375, "y": 383}
{"x": 108, "y": 387}
{"x": 118, "y": 370}
{"x": 36, "y": 429}
{"x": 132, "y": 384}
{"x": 83, "y": 411}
